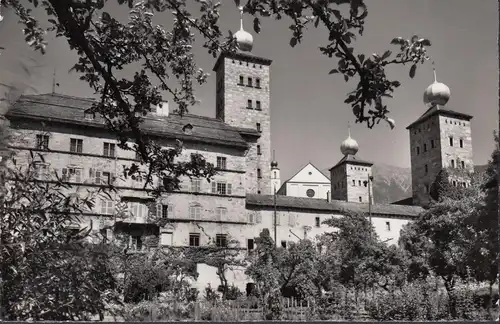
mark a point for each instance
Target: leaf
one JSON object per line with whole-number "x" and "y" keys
{"x": 397, "y": 41}
{"x": 386, "y": 55}
{"x": 256, "y": 25}
{"x": 293, "y": 42}
{"x": 413, "y": 69}
{"x": 237, "y": 3}
{"x": 333, "y": 71}
{"x": 426, "y": 42}
{"x": 316, "y": 23}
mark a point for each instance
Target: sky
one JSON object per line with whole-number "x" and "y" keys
{"x": 308, "y": 123}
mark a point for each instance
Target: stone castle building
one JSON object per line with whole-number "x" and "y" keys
{"x": 239, "y": 202}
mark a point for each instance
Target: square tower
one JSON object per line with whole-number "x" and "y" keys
{"x": 439, "y": 139}
{"x": 243, "y": 101}
{"x": 351, "y": 180}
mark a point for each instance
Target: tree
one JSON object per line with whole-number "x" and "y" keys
{"x": 48, "y": 270}
{"x": 440, "y": 241}
{"x": 105, "y": 46}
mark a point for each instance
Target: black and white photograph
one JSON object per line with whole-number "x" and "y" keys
{"x": 249, "y": 160}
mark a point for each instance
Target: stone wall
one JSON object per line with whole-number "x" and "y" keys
{"x": 356, "y": 189}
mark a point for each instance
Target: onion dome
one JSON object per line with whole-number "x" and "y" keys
{"x": 274, "y": 164}
{"x": 437, "y": 93}
{"x": 243, "y": 38}
{"x": 349, "y": 146}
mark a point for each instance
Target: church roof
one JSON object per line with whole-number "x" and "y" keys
{"x": 438, "y": 110}
{"x": 352, "y": 159}
{"x": 322, "y": 205}
{"x": 59, "y": 108}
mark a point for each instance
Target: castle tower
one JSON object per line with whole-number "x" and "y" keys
{"x": 242, "y": 100}
{"x": 351, "y": 176}
{"x": 439, "y": 139}
{"x": 275, "y": 175}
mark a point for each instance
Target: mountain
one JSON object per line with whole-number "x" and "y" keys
{"x": 390, "y": 183}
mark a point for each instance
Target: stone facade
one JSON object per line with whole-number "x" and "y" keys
{"x": 349, "y": 180}
{"x": 439, "y": 139}
{"x": 243, "y": 100}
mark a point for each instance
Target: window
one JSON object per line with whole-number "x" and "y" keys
{"x": 76, "y": 145}
{"x": 310, "y": 193}
{"x": 249, "y": 104}
{"x": 283, "y": 244}
{"x": 257, "y": 83}
{"x": 452, "y": 163}
{"x": 277, "y": 219}
{"x": 454, "y": 183}
{"x": 109, "y": 149}
{"x": 432, "y": 144}
{"x": 220, "y": 214}
{"x": 291, "y": 220}
{"x": 360, "y": 199}
{"x": 258, "y": 127}
{"x": 317, "y": 222}
{"x": 451, "y": 141}
{"x": 426, "y": 169}
{"x": 221, "y": 188}
{"x": 251, "y": 218}
{"x": 138, "y": 209}
{"x": 462, "y": 163}
{"x": 258, "y": 150}
{"x": 353, "y": 182}
{"x": 221, "y": 162}
{"x": 162, "y": 211}
{"x": 195, "y": 212}
{"x": 74, "y": 175}
{"x": 249, "y": 82}
{"x": 359, "y": 183}
{"x": 461, "y": 143}
{"x": 136, "y": 243}
{"x": 102, "y": 177}
{"x": 195, "y": 185}
{"x": 89, "y": 116}
{"x": 41, "y": 170}
{"x": 388, "y": 226}
{"x": 418, "y": 150}
{"x": 242, "y": 80}
{"x": 107, "y": 207}
{"x": 250, "y": 244}
{"x": 42, "y": 142}
{"x": 425, "y": 147}
{"x": 194, "y": 239}
{"x": 275, "y": 175}
{"x": 221, "y": 240}
{"x": 464, "y": 184}
{"x": 257, "y": 105}
{"x": 259, "y": 174}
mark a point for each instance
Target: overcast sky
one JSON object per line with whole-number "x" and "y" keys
{"x": 309, "y": 118}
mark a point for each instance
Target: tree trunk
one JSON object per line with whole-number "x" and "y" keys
{"x": 449, "y": 284}
{"x": 490, "y": 301}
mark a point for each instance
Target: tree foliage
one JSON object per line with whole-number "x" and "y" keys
{"x": 49, "y": 272}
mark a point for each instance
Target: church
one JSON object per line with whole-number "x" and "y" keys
{"x": 240, "y": 201}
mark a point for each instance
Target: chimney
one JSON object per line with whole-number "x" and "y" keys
{"x": 162, "y": 109}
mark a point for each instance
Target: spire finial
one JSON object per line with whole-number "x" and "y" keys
{"x": 274, "y": 154}
{"x": 54, "y": 81}
{"x": 349, "y": 128}
{"x": 241, "y": 17}
{"x": 434, "y": 70}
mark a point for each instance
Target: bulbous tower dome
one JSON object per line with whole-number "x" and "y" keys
{"x": 243, "y": 38}
{"x": 274, "y": 164}
{"x": 349, "y": 146}
{"x": 437, "y": 93}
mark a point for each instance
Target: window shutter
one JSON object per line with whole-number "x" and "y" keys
{"x": 97, "y": 179}
{"x": 214, "y": 187}
{"x": 191, "y": 212}
{"x": 291, "y": 220}
{"x": 170, "y": 210}
{"x": 259, "y": 218}
{"x": 158, "y": 211}
{"x": 229, "y": 189}
{"x": 91, "y": 173}
{"x": 113, "y": 177}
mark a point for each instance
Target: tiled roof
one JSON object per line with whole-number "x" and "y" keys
{"x": 323, "y": 205}
{"x": 438, "y": 110}
{"x": 67, "y": 109}
{"x": 353, "y": 160}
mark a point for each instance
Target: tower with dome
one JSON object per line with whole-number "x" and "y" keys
{"x": 439, "y": 139}
{"x": 350, "y": 175}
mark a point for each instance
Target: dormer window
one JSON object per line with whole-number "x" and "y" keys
{"x": 187, "y": 129}
{"x": 89, "y": 116}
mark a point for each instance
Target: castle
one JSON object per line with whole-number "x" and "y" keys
{"x": 240, "y": 201}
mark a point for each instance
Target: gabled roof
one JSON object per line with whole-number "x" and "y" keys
{"x": 439, "y": 110}
{"x": 322, "y": 205}
{"x": 303, "y": 167}
{"x": 352, "y": 159}
{"x": 70, "y": 110}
